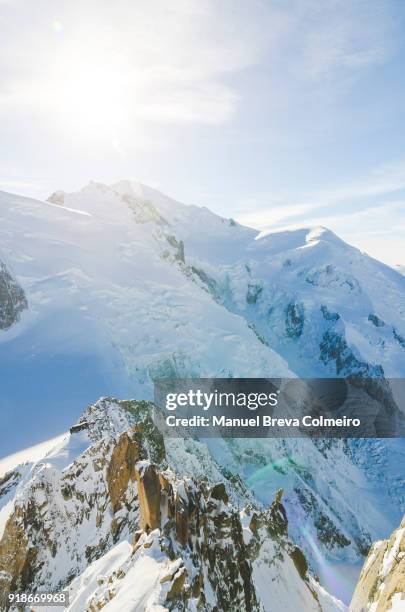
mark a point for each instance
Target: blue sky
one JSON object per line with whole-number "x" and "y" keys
{"x": 279, "y": 113}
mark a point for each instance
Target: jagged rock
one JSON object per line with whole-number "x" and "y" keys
{"x": 208, "y": 282}
{"x": 327, "y": 531}
{"x": 200, "y": 551}
{"x": 144, "y": 211}
{"x": 277, "y": 521}
{"x": 334, "y": 347}
{"x": 400, "y": 339}
{"x": 376, "y": 320}
{"x": 121, "y": 468}
{"x": 177, "y": 584}
{"x": 12, "y": 299}
{"x": 300, "y": 561}
{"x": 279, "y": 495}
{"x": 58, "y": 197}
{"x": 9, "y": 481}
{"x": 294, "y": 319}
{"x": 381, "y": 585}
{"x": 17, "y": 557}
{"x": 149, "y": 495}
{"x": 328, "y": 315}
{"x": 197, "y": 585}
{"x": 178, "y": 246}
{"x": 253, "y": 293}
{"x": 182, "y": 518}
{"x": 218, "y": 492}
{"x": 136, "y": 415}
{"x": 255, "y": 523}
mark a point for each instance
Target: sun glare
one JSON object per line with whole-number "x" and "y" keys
{"x": 92, "y": 92}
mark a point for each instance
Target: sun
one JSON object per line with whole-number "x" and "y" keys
{"x": 91, "y": 90}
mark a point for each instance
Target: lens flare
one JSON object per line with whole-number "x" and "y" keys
{"x": 57, "y": 26}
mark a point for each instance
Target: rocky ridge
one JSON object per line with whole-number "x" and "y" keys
{"x": 109, "y": 491}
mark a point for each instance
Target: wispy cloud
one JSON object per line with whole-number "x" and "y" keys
{"x": 147, "y": 60}
{"x": 380, "y": 181}
{"x": 363, "y": 212}
{"x": 333, "y": 36}
{"x": 26, "y": 186}
{"x": 273, "y": 214}
{"x": 275, "y": 209}
{"x": 172, "y": 62}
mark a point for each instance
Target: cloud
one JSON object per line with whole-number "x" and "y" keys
{"x": 172, "y": 62}
{"x": 111, "y": 87}
{"x": 377, "y": 230}
{"x": 383, "y": 180}
{"x": 336, "y": 36}
{"x": 379, "y": 183}
{"x": 362, "y": 212}
{"x": 272, "y": 215}
{"x": 150, "y": 60}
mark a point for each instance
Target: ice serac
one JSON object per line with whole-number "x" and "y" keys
{"x": 110, "y": 516}
{"x": 381, "y": 586}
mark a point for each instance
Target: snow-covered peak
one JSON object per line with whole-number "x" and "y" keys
{"x": 120, "y": 191}
{"x": 144, "y": 192}
{"x": 207, "y": 234}
{"x": 284, "y": 241}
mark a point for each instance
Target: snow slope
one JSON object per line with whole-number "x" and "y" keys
{"x": 109, "y": 308}
{"x": 124, "y": 284}
{"x": 29, "y": 455}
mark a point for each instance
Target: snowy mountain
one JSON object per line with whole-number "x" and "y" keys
{"x": 111, "y": 306}
{"x": 382, "y": 581}
{"x": 129, "y": 522}
{"x": 105, "y": 289}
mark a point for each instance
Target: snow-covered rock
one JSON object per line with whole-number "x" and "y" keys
{"x": 108, "y": 517}
{"x": 382, "y": 580}
{"x": 12, "y": 299}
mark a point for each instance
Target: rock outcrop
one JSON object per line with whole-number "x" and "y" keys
{"x": 12, "y": 299}
{"x": 381, "y": 586}
{"x": 149, "y": 494}
{"x": 208, "y": 551}
{"x": 112, "y": 482}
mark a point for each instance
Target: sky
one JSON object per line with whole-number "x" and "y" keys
{"x": 279, "y": 113}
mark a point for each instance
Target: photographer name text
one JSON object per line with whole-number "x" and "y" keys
{"x": 260, "y": 421}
